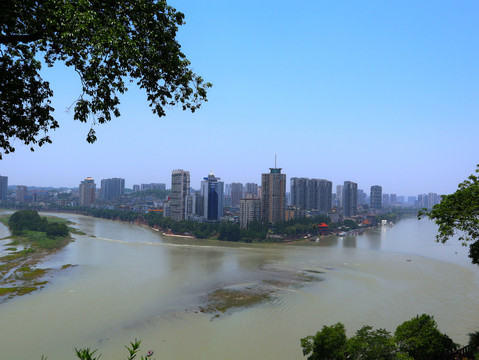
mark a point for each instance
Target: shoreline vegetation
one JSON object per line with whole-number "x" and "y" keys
{"x": 292, "y": 230}
{"x": 32, "y": 239}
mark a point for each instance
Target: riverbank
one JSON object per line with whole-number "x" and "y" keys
{"x": 21, "y": 256}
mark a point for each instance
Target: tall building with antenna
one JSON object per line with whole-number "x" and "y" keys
{"x": 273, "y": 197}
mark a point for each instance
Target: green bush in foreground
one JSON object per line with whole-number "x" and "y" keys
{"x": 417, "y": 339}
{"x": 87, "y": 354}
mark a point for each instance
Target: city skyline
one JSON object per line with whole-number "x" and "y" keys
{"x": 169, "y": 186}
{"x": 378, "y": 93}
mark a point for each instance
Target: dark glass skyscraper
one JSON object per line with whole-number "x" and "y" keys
{"x": 3, "y": 187}
{"x": 212, "y": 191}
{"x": 350, "y": 198}
{"x": 376, "y": 197}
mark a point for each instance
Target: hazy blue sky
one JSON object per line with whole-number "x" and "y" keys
{"x": 376, "y": 92}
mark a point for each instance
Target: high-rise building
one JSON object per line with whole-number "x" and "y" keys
{"x": 273, "y": 196}
{"x": 213, "y": 192}
{"x": 350, "y": 201}
{"x": 392, "y": 199}
{"x": 194, "y": 206}
{"x": 376, "y": 197}
{"x": 432, "y": 199}
{"x": 112, "y": 189}
{"x": 136, "y": 188}
{"x": 3, "y": 187}
{"x": 250, "y": 210}
{"x": 180, "y": 189}
{"x": 362, "y": 197}
{"x": 227, "y": 189}
{"x": 251, "y": 190}
{"x": 21, "y": 194}
{"x": 299, "y": 192}
{"x": 237, "y": 191}
{"x": 386, "y": 200}
{"x": 311, "y": 194}
{"x": 339, "y": 195}
{"x": 87, "y": 192}
{"x": 153, "y": 186}
{"x": 324, "y": 195}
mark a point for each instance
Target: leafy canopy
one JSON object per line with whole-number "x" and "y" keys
{"x": 417, "y": 339}
{"x": 459, "y": 213}
{"x": 105, "y": 42}
{"x": 421, "y": 339}
{"x": 328, "y": 343}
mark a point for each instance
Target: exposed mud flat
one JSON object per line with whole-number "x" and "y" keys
{"x": 274, "y": 280}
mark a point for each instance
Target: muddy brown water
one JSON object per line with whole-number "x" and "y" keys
{"x": 132, "y": 282}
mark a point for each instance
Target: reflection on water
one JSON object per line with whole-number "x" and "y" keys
{"x": 133, "y": 282}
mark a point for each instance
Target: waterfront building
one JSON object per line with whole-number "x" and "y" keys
{"x": 376, "y": 197}
{"x": 237, "y": 190}
{"x": 251, "y": 190}
{"x": 324, "y": 196}
{"x": 350, "y": 201}
{"x": 250, "y": 210}
{"x": 339, "y": 195}
{"x": 311, "y": 194}
{"x": 392, "y": 199}
{"x": 273, "y": 196}
{"x": 212, "y": 191}
{"x": 299, "y": 192}
{"x": 112, "y": 189}
{"x": 362, "y": 196}
{"x": 194, "y": 206}
{"x": 386, "y": 201}
{"x": 3, "y": 188}
{"x": 180, "y": 189}
{"x": 21, "y": 194}
{"x": 432, "y": 199}
{"x": 87, "y": 192}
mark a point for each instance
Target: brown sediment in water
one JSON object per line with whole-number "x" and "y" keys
{"x": 239, "y": 296}
{"x": 222, "y": 300}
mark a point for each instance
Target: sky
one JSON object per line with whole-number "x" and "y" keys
{"x": 376, "y": 92}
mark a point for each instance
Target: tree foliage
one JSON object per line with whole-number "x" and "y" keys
{"x": 458, "y": 213}
{"x": 328, "y": 343}
{"x": 30, "y": 220}
{"x": 372, "y": 345}
{"x": 421, "y": 339}
{"x": 106, "y": 42}
{"x": 417, "y": 339}
{"x": 26, "y": 220}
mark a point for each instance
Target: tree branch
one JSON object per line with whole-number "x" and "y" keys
{"x": 24, "y": 38}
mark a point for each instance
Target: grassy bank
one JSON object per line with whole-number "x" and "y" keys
{"x": 19, "y": 274}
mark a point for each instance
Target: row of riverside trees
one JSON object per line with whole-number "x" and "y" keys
{"x": 255, "y": 232}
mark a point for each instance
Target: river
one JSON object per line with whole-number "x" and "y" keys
{"x": 132, "y": 282}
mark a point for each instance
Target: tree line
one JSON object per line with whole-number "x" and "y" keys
{"x": 23, "y": 220}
